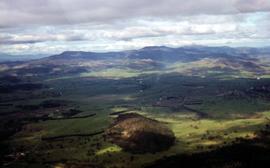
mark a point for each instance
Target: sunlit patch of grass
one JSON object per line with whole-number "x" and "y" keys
{"x": 112, "y": 73}
{"x": 59, "y": 165}
{"x": 266, "y": 114}
{"x": 190, "y": 131}
{"x": 109, "y": 149}
{"x": 265, "y": 76}
{"x": 117, "y": 109}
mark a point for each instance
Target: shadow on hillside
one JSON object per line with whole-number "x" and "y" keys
{"x": 243, "y": 154}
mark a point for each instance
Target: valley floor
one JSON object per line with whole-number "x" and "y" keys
{"x": 65, "y": 128}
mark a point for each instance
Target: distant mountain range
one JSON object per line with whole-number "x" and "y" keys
{"x": 167, "y": 54}
{"x": 151, "y": 52}
{"x": 188, "y": 60}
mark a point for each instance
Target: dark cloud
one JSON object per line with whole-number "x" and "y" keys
{"x": 21, "y": 12}
{"x": 253, "y": 5}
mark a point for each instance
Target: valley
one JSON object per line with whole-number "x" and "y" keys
{"x": 55, "y": 111}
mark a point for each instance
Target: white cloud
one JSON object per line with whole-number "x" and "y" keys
{"x": 53, "y": 26}
{"x": 131, "y": 30}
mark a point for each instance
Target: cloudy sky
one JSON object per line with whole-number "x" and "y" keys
{"x": 54, "y": 26}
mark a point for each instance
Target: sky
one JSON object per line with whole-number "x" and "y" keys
{"x": 54, "y": 26}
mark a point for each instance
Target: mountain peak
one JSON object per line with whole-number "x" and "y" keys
{"x": 156, "y": 48}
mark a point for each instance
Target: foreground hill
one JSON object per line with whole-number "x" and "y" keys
{"x": 138, "y": 134}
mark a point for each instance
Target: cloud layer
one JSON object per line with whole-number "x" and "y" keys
{"x": 19, "y": 12}
{"x": 51, "y": 26}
